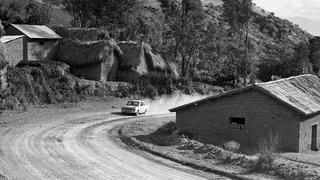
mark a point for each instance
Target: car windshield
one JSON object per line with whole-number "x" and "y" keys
{"x": 133, "y": 103}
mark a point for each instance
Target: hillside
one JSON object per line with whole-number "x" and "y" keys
{"x": 220, "y": 61}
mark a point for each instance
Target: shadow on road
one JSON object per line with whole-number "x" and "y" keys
{"x": 120, "y": 114}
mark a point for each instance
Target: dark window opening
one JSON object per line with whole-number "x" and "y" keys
{"x": 41, "y": 43}
{"x": 237, "y": 123}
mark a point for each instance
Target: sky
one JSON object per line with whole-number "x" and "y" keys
{"x": 295, "y": 10}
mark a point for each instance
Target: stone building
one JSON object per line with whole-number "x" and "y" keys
{"x": 288, "y": 108}
{"x": 41, "y": 41}
{"x": 17, "y": 47}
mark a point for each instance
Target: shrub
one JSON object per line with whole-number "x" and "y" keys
{"x": 166, "y": 129}
{"x": 166, "y": 140}
{"x": 232, "y": 146}
{"x": 267, "y": 146}
{"x": 189, "y": 133}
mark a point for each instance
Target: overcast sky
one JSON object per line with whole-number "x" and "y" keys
{"x": 291, "y": 8}
{"x": 305, "y": 13}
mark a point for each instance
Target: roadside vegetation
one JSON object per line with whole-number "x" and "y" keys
{"x": 161, "y": 137}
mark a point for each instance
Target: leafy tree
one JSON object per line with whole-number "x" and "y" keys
{"x": 238, "y": 14}
{"x": 93, "y": 13}
{"x": 314, "y": 55}
{"x": 300, "y": 63}
{"x": 38, "y": 14}
{"x": 186, "y": 30}
{"x": 12, "y": 11}
{"x": 28, "y": 12}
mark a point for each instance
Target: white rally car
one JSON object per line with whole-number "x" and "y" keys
{"x": 135, "y": 107}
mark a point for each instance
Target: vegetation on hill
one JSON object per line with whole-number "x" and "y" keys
{"x": 219, "y": 42}
{"x": 211, "y": 40}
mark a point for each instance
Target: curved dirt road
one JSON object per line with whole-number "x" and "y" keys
{"x": 75, "y": 148}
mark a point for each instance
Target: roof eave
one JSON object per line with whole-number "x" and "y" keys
{"x": 211, "y": 98}
{"x": 281, "y": 101}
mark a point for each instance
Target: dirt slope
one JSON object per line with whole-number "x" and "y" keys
{"x": 74, "y": 146}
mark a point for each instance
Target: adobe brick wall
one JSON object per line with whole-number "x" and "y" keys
{"x": 46, "y": 51}
{"x": 306, "y": 133}
{"x": 15, "y": 48}
{"x": 263, "y": 115}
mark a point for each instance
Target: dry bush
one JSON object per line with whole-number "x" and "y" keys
{"x": 166, "y": 135}
{"x": 232, "y": 146}
{"x": 267, "y": 147}
{"x": 187, "y": 144}
{"x": 189, "y": 133}
{"x": 166, "y": 129}
{"x": 166, "y": 140}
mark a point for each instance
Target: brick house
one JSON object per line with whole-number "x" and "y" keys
{"x": 289, "y": 108}
{"x": 41, "y": 41}
{"x": 16, "y": 46}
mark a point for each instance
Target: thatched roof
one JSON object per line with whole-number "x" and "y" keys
{"x": 155, "y": 62}
{"x": 300, "y": 93}
{"x": 79, "y": 53}
{"x": 133, "y": 56}
{"x": 83, "y": 34}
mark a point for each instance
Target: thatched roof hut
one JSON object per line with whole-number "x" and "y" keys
{"x": 83, "y": 34}
{"x": 80, "y": 53}
{"x": 133, "y": 57}
{"x": 140, "y": 58}
{"x": 94, "y": 60}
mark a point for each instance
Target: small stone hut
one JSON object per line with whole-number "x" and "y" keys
{"x": 5, "y": 58}
{"x": 17, "y": 47}
{"x": 92, "y": 60}
{"x": 287, "y": 108}
{"x": 41, "y": 41}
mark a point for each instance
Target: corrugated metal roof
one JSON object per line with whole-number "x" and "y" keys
{"x": 301, "y": 93}
{"x": 5, "y": 39}
{"x": 36, "y": 31}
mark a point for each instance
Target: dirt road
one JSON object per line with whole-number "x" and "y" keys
{"x": 75, "y": 147}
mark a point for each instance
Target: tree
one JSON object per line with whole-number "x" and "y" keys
{"x": 314, "y": 55}
{"x": 93, "y": 13}
{"x": 238, "y": 14}
{"x": 27, "y": 12}
{"x": 186, "y": 30}
{"x": 300, "y": 63}
{"x": 12, "y": 11}
{"x": 38, "y": 14}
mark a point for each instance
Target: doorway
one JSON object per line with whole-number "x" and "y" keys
{"x": 314, "y": 138}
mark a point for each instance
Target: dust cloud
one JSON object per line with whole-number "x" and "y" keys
{"x": 162, "y": 104}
